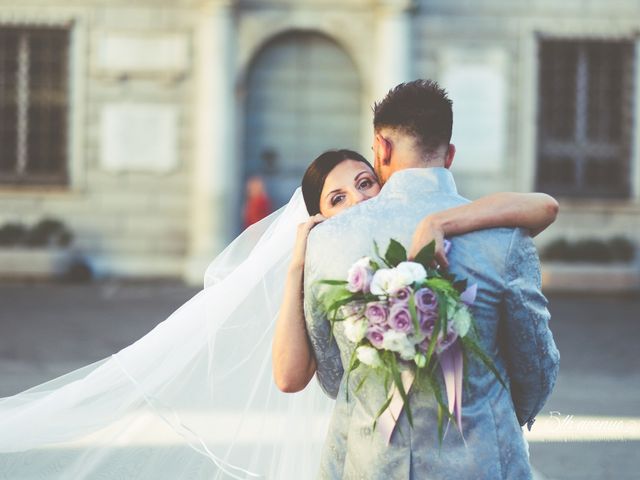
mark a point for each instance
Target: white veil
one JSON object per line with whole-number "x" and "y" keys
{"x": 192, "y": 399}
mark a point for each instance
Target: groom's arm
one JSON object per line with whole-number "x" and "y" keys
{"x": 532, "y": 356}
{"x": 329, "y": 370}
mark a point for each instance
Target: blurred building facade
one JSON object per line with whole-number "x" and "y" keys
{"x": 138, "y": 123}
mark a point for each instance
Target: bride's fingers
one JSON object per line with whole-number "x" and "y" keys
{"x": 318, "y": 218}
{"x": 305, "y": 227}
{"x": 313, "y": 221}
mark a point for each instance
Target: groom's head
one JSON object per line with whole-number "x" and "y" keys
{"x": 412, "y": 128}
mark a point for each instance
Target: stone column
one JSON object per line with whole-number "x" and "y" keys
{"x": 213, "y": 189}
{"x": 392, "y": 64}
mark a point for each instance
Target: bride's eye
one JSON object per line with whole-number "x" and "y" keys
{"x": 367, "y": 183}
{"x": 336, "y": 200}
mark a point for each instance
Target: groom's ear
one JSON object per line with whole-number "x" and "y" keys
{"x": 451, "y": 152}
{"x": 384, "y": 150}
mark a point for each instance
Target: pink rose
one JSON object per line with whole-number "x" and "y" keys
{"x": 402, "y": 296}
{"x": 375, "y": 335}
{"x": 400, "y": 318}
{"x": 376, "y": 313}
{"x": 426, "y": 300}
{"x": 359, "y": 276}
{"x": 427, "y": 322}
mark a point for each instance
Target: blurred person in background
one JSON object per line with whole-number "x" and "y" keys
{"x": 258, "y": 204}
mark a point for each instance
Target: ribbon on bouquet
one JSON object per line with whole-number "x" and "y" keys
{"x": 452, "y": 369}
{"x": 388, "y": 419}
{"x": 451, "y": 365}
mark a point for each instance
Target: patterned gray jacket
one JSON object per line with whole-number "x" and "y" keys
{"x": 512, "y": 317}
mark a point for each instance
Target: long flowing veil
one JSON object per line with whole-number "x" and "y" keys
{"x": 192, "y": 399}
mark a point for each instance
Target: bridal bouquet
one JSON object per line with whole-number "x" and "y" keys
{"x": 407, "y": 316}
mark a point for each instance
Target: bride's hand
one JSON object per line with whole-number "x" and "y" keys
{"x": 429, "y": 229}
{"x": 300, "y": 248}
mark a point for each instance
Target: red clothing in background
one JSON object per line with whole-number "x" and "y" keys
{"x": 256, "y": 209}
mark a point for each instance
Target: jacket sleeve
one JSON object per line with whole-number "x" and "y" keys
{"x": 329, "y": 369}
{"x": 526, "y": 341}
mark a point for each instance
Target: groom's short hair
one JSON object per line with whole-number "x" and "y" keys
{"x": 420, "y": 108}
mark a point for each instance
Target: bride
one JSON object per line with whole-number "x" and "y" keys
{"x": 205, "y": 394}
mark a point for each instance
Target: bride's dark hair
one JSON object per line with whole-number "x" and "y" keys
{"x": 316, "y": 174}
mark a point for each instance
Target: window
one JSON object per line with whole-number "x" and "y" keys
{"x": 34, "y": 105}
{"x": 584, "y": 119}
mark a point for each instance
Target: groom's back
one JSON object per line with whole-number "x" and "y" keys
{"x": 510, "y": 313}
{"x": 394, "y": 214}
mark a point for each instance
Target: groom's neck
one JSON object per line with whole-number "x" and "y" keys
{"x": 404, "y": 164}
{"x": 418, "y": 162}
{"x": 410, "y": 155}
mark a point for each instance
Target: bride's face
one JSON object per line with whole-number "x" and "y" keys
{"x": 349, "y": 183}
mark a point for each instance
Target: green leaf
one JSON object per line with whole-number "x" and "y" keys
{"x": 460, "y": 285}
{"x": 426, "y": 255}
{"x": 420, "y": 360}
{"x": 331, "y": 296}
{"x": 484, "y": 358}
{"x": 465, "y": 369}
{"x": 384, "y": 406}
{"x": 387, "y": 379}
{"x": 442, "y": 286}
{"x": 353, "y": 364}
{"x": 418, "y": 376}
{"x": 443, "y": 408}
{"x": 445, "y": 322}
{"x": 396, "y": 253}
{"x": 376, "y": 250}
{"x": 333, "y": 282}
{"x": 397, "y": 379}
{"x": 440, "y": 425}
{"x": 335, "y": 306}
{"x": 361, "y": 382}
{"x": 414, "y": 313}
{"x": 434, "y": 336}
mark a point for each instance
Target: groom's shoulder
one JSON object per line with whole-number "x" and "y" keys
{"x": 342, "y": 238}
{"x": 497, "y": 246}
{"x": 354, "y": 219}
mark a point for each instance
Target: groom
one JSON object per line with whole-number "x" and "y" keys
{"x": 413, "y": 154}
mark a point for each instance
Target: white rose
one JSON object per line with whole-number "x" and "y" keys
{"x": 387, "y": 281}
{"x": 411, "y": 272}
{"x": 461, "y": 321}
{"x": 408, "y": 352}
{"x": 368, "y": 356}
{"x": 355, "y": 328}
{"x": 400, "y": 343}
{"x": 363, "y": 262}
{"x": 393, "y": 340}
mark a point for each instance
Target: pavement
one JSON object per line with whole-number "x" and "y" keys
{"x": 588, "y": 430}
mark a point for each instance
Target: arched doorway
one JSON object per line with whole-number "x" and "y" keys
{"x": 303, "y": 97}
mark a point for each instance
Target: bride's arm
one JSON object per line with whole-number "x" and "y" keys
{"x": 293, "y": 361}
{"x": 534, "y": 211}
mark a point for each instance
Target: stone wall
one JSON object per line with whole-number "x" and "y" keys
{"x": 127, "y": 212}
{"x": 134, "y": 81}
